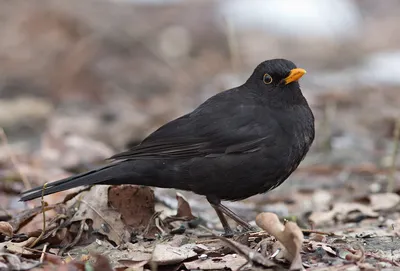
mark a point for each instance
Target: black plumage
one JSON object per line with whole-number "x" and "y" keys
{"x": 238, "y": 143}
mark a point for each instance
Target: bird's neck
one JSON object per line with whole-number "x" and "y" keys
{"x": 287, "y": 97}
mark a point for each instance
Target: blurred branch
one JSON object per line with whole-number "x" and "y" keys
{"x": 392, "y": 174}
{"x": 233, "y": 44}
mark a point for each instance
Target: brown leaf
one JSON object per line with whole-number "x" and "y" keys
{"x": 102, "y": 263}
{"x": 93, "y": 204}
{"x": 24, "y": 217}
{"x": 290, "y": 235}
{"x": 135, "y": 203}
{"x": 6, "y": 229}
{"x": 36, "y": 224}
{"x": 184, "y": 209}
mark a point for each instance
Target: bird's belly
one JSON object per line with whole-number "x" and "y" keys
{"x": 235, "y": 177}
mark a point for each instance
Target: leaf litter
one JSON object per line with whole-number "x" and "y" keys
{"x": 113, "y": 221}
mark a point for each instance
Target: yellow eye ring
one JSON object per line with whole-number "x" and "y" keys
{"x": 267, "y": 79}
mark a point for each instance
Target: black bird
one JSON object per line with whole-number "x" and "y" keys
{"x": 239, "y": 143}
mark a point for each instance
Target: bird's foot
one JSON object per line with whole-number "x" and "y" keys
{"x": 228, "y": 234}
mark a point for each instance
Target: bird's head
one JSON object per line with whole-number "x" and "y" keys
{"x": 276, "y": 74}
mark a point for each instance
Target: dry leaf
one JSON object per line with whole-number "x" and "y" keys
{"x": 340, "y": 211}
{"x": 93, "y": 204}
{"x": 24, "y": 217}
{"x": 15, "y": 262}
{"x": 328, "y": 249}
{"x": 36, "y": 224}
{"x": 133, "y": 265}
{"x": 135, "y": 203}
{"x": 102, "y": 263}
{"x": 230, "y": 261}
{"x": 184, "y": 209}
{"x": 383, "y": 201}
{"x": 164, "y": 254}
{"x": 6, "y": 229}
{"x": 19, "y": 248}
{"x": 289, "y": 235}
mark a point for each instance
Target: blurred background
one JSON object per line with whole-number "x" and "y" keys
{"x": 81, "y": 80}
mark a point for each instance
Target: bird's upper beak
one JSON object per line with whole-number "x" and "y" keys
{"x": 294, "y": 75}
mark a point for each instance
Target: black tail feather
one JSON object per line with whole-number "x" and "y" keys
{"x": 87, "y": 178}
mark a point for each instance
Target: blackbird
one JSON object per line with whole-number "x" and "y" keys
{"x": 241, "y": 142}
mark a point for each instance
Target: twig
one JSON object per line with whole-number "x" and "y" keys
{"x": 251, "y": 256}
{"x": 232, "y": 44}
{"x": 157, "y": 223}
{"x": 76, "y": 239}
{"x": 318, "y": 232}
{"x": 43, "y": 252}
{"x": 332, "y": 268}
{"x": 44, "y": 219}
{"x": 37, "y": 250}
{"x": 13, "y": 159}
{"x": 153, "y": 222}
{"x": 396, "y": 139}
{"x": 379, "y": 258}
{"x": 264, "y": 233}
{"x": 358, "y": 253}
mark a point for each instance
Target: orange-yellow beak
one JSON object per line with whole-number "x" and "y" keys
{"x": 294, "y": 75}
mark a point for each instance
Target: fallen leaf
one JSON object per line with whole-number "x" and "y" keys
{"x": 93, "y": 205}
{"x": 36, "y": 224}
{"x": 17, "y": 263}
{"x": 328, "y": 249}
{"x": 165, "y": 254}
{"x": 340, "y": 211}
{"x": 133, "y": 265}
{"x": 131, "y": 254}
{"x": 19, "y": 248}
{"x": 184, "y": 209}
{"x": 230, "y": 261}
{"x": 383, "y": 201}
{"x": 25, "y": 216}
{"x": 6, "y": 229}
{"x": 135, "y": 203}
{"x": 101, "y": 263}
{"x": 290, "y": 235}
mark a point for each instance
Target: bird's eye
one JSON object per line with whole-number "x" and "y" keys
{"x": 267, "y": 79}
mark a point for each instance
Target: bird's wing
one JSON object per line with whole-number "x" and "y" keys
{"x": 222, "y": 125}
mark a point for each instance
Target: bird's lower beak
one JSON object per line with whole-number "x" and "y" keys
{"x": 294, "y": 75}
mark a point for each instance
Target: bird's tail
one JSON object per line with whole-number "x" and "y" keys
{"x": 101, "y": 175}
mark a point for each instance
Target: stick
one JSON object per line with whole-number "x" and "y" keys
{"x": 44, "y": 219}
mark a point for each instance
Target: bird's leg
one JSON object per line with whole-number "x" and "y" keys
{"x": 228, "y": 231}
{"x": 221, "y": 210}
{"x": 235, "y": 217}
